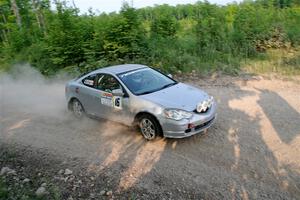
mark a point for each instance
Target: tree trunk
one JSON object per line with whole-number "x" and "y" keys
{"x": 15, "y": 9}
{"x": 4, "y": 37}
{"x": 4, "y": 34}
{"x": 36, "y": 10}
{"x": 39, "y": 15}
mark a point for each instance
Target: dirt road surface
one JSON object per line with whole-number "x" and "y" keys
{"x": 251, "y": 152}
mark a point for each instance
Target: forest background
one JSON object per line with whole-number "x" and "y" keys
{"x": 260, "y": 36}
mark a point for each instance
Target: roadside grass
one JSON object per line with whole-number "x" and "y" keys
{"x": 3, "y": 190}
{"x": 14, "y": 189}
{"x": 285, "y": 62}
{"x": 12, "y": 186}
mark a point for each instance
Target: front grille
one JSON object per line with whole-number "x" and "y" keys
{"x": 203, "y": 125}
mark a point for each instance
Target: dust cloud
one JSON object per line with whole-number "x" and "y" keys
{"x": 25, "y": 89}
{"x": 33, "y": 105}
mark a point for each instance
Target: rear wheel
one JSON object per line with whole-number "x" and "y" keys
{"x": 77, "y": 108}
{"x": 149, "y": 127}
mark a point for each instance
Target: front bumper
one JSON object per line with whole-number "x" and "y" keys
{"x": 180, "y": 129}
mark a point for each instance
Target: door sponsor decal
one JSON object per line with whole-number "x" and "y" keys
{"x": 106, "y": 99}
{"x": 109, "y": 100}
{"x": 107, "y": 95}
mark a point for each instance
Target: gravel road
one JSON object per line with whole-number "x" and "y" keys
{"x": 251, "y": 152}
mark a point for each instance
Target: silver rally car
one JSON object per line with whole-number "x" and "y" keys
{"x": 139, "y": 95}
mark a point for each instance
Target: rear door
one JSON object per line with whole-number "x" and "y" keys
{"x": 85, "y": 93}
{"x": 97, "y": 100}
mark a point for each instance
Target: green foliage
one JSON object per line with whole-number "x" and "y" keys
{"x": 211, "y": 28}
{"x": 202, "y": 36}
{"x": 124, "y": 40}
{"x": 65, "y": 38}
{"x": 3, "y": 190}
{"x": 9, "y": 189}
{"x": 165, "y": 26}
{"x": 251, "y": 24}
{"x": 292, "y": 24}
{"x": 164, "y": 23}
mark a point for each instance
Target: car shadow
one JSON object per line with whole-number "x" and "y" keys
{"x": 285, "y": 119}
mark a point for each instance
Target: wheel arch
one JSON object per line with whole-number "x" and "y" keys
{"x": 70, "y": 102}
{"x": 139, "y": 114}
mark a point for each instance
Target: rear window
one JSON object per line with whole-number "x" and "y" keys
{"x": 89, "y": 81}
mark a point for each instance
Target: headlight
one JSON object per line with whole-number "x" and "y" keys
{"x": 177, "y": 114}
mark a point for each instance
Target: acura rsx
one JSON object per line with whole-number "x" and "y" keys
{"x": 142, "y": 96}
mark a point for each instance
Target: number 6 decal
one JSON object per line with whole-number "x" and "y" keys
{"x": 118, "y": 102}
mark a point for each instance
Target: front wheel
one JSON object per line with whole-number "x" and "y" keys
{"x": 149, "y": 127}
{"x": 77, "y": 109}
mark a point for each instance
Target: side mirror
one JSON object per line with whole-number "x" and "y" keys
{"x": 118, "y": 92}
{"x": 170, "y": 75}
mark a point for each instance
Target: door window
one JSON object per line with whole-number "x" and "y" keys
{"x": 107, "y": 83}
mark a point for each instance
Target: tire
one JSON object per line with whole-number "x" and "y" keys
{"x": 77, "y": 109}
{"x": 149, "y": 127}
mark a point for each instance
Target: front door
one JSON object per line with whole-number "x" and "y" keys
{"x": 112, "y": 107}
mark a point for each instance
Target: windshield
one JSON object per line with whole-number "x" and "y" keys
{"x": 145, "y": 81}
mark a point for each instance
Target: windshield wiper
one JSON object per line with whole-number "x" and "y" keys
{"x": 168, "y": 85}
{"x": 147, "y": 92}
{"x": 165, "y": 86}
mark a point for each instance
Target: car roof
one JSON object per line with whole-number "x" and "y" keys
{"x": 117, "y": 69}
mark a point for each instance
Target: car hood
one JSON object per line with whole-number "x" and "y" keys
{"x": 180, "y": 96}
